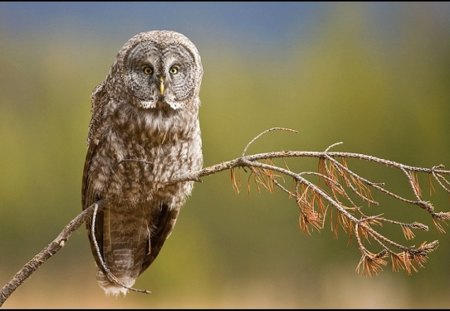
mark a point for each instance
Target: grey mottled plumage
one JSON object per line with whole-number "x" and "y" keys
{"x": 144, "y": 130}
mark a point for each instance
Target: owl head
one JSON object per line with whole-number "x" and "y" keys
{"x": 160, "y": 70}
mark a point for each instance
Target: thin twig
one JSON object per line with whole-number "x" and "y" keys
{"x": 265, "y": 132}
{"x": 108, "y": 272}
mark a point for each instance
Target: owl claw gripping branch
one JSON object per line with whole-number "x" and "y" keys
{"x": 144, "y": 130}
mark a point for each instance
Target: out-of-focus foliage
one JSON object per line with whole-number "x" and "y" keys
{"x": 380, "y": 85}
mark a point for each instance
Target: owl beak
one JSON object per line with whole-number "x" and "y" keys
{"x": 161, "y": 85}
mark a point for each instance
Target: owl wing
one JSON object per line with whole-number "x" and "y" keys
{"x": 99, "y": 100}
{"x": 89, "y": 196}
{"x": 162, "y": 227}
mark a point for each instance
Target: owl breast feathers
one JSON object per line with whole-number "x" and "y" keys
{"x": 144, "y": 131}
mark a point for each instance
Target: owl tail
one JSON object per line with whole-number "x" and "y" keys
{"x": 125, "y": 243}
{"x": 112, "y": 288}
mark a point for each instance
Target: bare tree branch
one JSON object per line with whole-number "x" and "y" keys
{"x": 44, "y": 255}
{"x": 313, "y": 201}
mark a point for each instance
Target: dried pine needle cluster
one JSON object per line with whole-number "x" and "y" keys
{"x": 334, "y": 196}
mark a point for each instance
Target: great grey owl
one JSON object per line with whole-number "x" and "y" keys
{"x": 144, "y": 130}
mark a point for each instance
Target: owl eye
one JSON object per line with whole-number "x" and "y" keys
{"x": 174, "y": 69}
{"x": 147, "y": 70}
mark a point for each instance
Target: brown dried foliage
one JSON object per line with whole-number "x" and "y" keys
{"x": 345, "y": 191}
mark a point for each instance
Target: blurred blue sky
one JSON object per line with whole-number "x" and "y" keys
{"x": 259, "y": 25}
{"x": 264, "y": 21}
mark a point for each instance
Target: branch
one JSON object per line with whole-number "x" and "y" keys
{"x": 313, "y": 202}
{"x": 44, "y": 255}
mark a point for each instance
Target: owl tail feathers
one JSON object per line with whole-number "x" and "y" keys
{"x": 111, "y": 288}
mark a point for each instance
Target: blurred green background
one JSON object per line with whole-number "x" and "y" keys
{"x": 373, "y": 75}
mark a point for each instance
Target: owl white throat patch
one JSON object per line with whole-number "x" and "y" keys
{"x": 159, "y": 105}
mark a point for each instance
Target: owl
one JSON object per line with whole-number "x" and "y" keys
{"x": 144, "y": 131}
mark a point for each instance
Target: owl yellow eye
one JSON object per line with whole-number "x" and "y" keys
{"x": 174, "y": 69}
{"x": 147, "y": 70}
